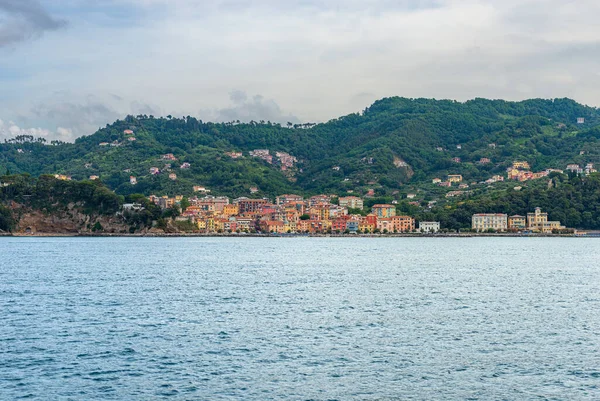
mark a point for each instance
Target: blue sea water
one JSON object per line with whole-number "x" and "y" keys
{"x": 299, "y": 319}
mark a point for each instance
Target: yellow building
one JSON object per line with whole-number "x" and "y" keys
{"x": 220, "y": 224}
{"x": 550, "y": 226}
{"x": 521, "y": 165}
{"x": 517, "y": 222}
{"x": 455, "y": 178}
{"x": 513, "y": 174}
{"x": 230, "y": 210}
{"x": 366, "y": 227}
{"x": 489, "y": 221}
{"x": 62, "y": 177}
{"x": 326, "y": 225}
{"x": 538, "y": 221}
{"x": 289, "y": 226}
{"x": 321, "y": 212}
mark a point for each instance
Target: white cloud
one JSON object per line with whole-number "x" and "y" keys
{"x": 10, "y": 130}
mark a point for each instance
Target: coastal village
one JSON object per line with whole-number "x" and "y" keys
{"x": 320, "y": 214}
{"x": 291, "y": 213}
{"x": 326, "y": 214}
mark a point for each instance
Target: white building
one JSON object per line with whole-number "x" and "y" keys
{"x": 429, "y": 226}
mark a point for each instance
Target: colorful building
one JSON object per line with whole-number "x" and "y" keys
{"x": 384, "y": 210}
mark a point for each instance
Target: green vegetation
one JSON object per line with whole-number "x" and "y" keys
{"x": 6, "y": 219}
{"x": 573, "y": 200}
{"x": 392, "y": 143}
{"x": 394, "y": 147}
{"x": 49, "y": 194}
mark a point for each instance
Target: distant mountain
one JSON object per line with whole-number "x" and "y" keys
{"x": 395, "y": 143}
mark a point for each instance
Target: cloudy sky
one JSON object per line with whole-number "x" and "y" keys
{"x": 68, "y": 67}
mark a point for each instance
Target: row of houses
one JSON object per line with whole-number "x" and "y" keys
{"x": 518, "y": 171}
{"x": 536, "y": 221}
{"x": 291, "y": 214}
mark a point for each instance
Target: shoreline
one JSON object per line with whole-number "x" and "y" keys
{"x": 258, "y": 235}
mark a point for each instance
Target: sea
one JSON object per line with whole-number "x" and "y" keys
{"x": 299, "y": 318}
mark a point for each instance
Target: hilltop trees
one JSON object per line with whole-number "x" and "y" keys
{"x": 357, "y": 152}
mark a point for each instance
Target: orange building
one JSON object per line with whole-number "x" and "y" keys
{"x": 272, "y": 227}
{"x": 230, "y": 210}
{"x": 403, "y": 224}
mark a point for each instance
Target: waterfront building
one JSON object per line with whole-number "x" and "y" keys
{"x": 385, "y": 225}
{"x": 517, "y": 223}
{"x": 489, "y": 221}
{"x": 272, "y": 226}
{"x": 538, "y": 222}
{"x": 402, "y": 224}
{"x": 429, "y": 226}
{"x": 352, "y": 225}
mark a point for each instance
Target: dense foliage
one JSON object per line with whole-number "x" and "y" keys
{"x": 49, "y": 194}
{"x": 394, "y": 142}
{"x": 572, "y": 200}
{"x": 395, "y": 146}
{"x": 6, "y": 219}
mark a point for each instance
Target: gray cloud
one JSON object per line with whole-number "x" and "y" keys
{"x": 78, "y": 117}
{"x": 24, "y": 19}
{"x": 145, "y": 108}
{"x": 256, "y": 108}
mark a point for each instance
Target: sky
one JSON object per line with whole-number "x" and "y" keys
{"x": 69, "y": 67}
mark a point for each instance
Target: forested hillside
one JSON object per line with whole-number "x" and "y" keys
{"x": 394, "y": 144}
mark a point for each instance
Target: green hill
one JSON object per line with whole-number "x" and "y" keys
{"x": 394, "y": 145}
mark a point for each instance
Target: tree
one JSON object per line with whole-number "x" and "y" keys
{"x": 184, "y": 204}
